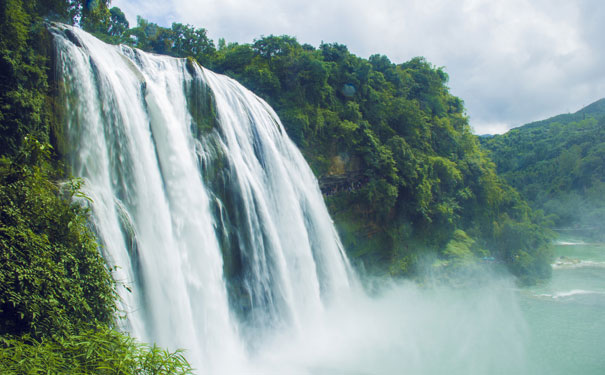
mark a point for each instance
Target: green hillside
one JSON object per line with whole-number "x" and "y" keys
{"x": 558, "y": 165}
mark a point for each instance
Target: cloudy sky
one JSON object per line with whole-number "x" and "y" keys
{"x": 511, "y": 61}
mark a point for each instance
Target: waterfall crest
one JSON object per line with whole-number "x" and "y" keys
{"x": 209, "y": 212}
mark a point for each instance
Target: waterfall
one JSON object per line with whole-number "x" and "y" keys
{"x": 209, "y": 215}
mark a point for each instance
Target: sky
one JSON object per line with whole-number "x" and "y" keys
{"x": 511, "y": 61}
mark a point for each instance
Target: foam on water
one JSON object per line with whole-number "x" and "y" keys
{"x": 570, "y": 293}
{"x": 577, "y": 263}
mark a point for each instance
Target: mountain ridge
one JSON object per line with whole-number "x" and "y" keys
{"x": 557, "y": 164}
{"x": 595, "y": 108}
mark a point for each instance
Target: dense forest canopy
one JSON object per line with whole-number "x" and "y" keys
{"x": 558, "y": 165}
{"x": 402, "y": 174}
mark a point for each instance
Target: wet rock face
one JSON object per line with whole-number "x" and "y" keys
{"x": 347, "y": 182}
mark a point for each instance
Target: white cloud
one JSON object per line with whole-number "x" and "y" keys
{"x": 512, "y": 61}
{"x": 492, "y": 128}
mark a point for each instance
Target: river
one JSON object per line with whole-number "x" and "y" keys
{"x": 566, "y": 316}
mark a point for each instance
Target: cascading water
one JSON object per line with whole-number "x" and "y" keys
{"x": 190, "y": 174}
{"x": 221, "y": 240}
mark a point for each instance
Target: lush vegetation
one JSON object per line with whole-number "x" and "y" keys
{"x": 52, "y": 279}
{"x": 96, "y": 351}
{"x": 57, "y": 299}
{"x": 558, "y": 165}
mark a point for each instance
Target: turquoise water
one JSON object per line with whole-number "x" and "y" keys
{"x": 566, "y": 316}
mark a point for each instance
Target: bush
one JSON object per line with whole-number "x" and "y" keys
{"x": 52, "y": 276}
{"x": 98, "y": 351}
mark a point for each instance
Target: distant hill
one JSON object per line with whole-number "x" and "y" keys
{"x": 595, "y": 109}
{"x": 558, "y": 165}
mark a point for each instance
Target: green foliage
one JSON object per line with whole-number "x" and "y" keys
{"x": 118, "y": 23}
{"x": 558, "y": 165}
{"x": 95, "y": 351}
{"x": 514, "y": 240}
{"x": 52, "y": 277}
{"x": 96, "y": 17}
{"x": 459, "y": 248}
{"x": 179, "y": 40}
{"x": 24, "y": 62}
{"x": 22, "y": 79}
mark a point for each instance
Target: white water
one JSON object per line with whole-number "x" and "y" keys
{"x": 222, "y": 237}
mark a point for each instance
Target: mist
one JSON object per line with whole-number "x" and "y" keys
{"x": 401, "y": 327}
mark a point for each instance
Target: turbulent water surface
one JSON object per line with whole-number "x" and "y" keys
{"x": 223, "y": 245}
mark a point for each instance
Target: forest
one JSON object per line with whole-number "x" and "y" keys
{"x": 413, "y": 186}
{"x": 558, "y": 166}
